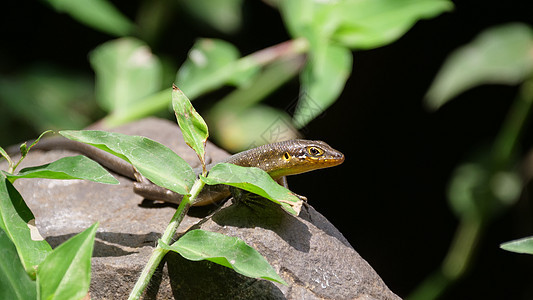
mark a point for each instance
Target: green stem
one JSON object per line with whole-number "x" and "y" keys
{"x": 507, "y": 139}
{"x": 455, "y": 264}
{"x": 470, "y": 229}
{"x": 160, "y": 100}
{"x": 462, "y": 249}
{"x": 159, "y": 253}
{"x": 267, "y": 82}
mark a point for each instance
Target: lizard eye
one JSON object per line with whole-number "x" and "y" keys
{"x": 315, "y": 151}
{"x": 286, "y": 156}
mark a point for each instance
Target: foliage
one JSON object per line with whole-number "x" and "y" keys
{"x": 226, "y": 251}
{"x": 130, "y": 84}
{"x": 485, "y": 186}
{"x": 64, "y": 273}
{"x": 30, "y": 269}
{"x": 131, "y": 78}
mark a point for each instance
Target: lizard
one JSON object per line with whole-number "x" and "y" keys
{"x": 278, "y": 159}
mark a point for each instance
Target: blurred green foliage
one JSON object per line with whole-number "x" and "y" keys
{"x": 484, "y": 186}
{"x": 130, "y": 78}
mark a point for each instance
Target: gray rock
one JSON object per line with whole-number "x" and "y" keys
{"x": 309, "y": 253}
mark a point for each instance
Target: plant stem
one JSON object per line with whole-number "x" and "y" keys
{"x": 159, "y": 253}
{"x": 507, "y": 139}
{"x": 456, "y": 262}
{"x": 160, "y": 100}
{"x": 470, "y": 229}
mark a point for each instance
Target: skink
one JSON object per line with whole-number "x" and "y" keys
{"x": 278, "y": 160}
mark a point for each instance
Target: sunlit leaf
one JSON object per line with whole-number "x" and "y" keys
{"x": 18, "y": 223}
{"x": 524, "y": 245}
{"x": 154, "y": 161}
{"x": 14, "y": 281}
{"x": 500, "y": 55}
{"x": 224, "y": 250}
{"x": 256, "y": 181}
{"x": 126, "y": 72}
{"x": 66, "y": 272}
{"x": 72, "y": 167}
{"x": 99, "y": 14}
{"x": 192, "y": 125}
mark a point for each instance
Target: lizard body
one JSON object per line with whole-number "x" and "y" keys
{"x": 277, "y": 159}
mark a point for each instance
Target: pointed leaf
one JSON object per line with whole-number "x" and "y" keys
{"x": 500, "y": 55}
{"x": 192, "y": 125}
{"x": 256, "y": 181}
{"x": 154, "y": 161}
{"x": 66, "y": 272}
{"x": 73, "y": 167}
{"x": 99, "y": 14}
{"x": 24, "y": 149}
{"x": 524, "y": 245}
{"x": 4, "y": 154}
{"x": 18, "y": 223}
{"x": 227, "y": 251}
{"x": 14, "y": 281}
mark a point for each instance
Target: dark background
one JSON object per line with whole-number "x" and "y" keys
{"x": 388, "y": 198}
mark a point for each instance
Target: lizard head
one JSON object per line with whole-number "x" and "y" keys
{"x": 300, "y": 156}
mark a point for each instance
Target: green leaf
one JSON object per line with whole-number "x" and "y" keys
{"x": 221, "y": 15}
{"x": 227, "y": 251}
{"x": 500, "y": 55}
{"x": 66, "y": 272}
{"x": 358, "y": 24}
{"x": 524, "y": 245}
{"x": 322, "y": 80}
{"x": 99, "y": 14}
{"x": 73, "y": 167}
{"x": 256, "y": 181}
{"x": 297, "y": 15}
{"x": 18, "y": 223}
{"x": 126, "y": 72}
{"x": 24, "y": 149}
{"x": 14, "y": 281}
{"x": 6, "y": 156}
{"x": 334, "y": 27}
{"x": 375, "y": 23}
{"x": 193, "y": 126}
{"x": 154, "y": 161}
{"x": 211, "y": 64}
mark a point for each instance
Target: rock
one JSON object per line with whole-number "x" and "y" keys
{"x": 309, "y": 253}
